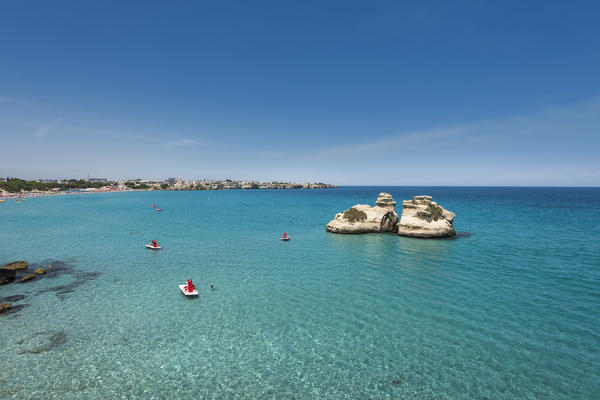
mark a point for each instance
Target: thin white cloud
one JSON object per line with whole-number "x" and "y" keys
{"x": 11, "y": 100}
{"x": 179, "y": 143}
{"x": 575, "y": 123}
{"x": 43, "y": 131}
{"x": 388, "y": 143}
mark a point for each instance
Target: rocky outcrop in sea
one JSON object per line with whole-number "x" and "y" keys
{"x": 424, "y": 218}
{"x": 363, "y": 218}
{"x": 421, "y": 218}
{"x": 8, "y": 272}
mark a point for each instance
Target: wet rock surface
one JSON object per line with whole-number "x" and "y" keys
{"x": 15, "y": 265}
{"x": 56, "y": 268}
{"x": 40, "y": 271}
{"x": 27, "y": 277}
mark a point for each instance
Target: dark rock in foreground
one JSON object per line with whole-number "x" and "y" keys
{"x": 8, "y": 273}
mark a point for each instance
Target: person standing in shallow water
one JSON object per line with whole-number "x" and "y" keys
{"x": 212, "y": 287}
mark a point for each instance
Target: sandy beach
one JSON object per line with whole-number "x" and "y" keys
{"x": 33, "y": 194}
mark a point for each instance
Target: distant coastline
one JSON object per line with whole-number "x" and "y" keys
{"x": 14, "y": 188}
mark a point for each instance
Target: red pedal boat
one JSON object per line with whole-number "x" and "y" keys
{"x": 153, "y": 245}
{"x": 189, "y": 289}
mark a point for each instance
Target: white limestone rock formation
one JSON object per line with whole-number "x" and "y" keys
{"x": 363, "y": 218}
{"x": 424, "y": 218}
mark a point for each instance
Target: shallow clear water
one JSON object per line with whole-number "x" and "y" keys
{"x": 511, "y": 311}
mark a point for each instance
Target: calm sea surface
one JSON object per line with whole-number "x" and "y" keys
{"x": 511, "y": 311}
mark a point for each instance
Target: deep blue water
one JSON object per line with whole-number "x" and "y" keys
{"x": 511, "y": 311}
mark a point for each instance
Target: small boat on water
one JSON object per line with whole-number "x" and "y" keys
{"x": 153, "y": 205}
{"x": 153, "y": 245}
{"x": 189, "y": 289}
{"x": 158, "y": 209}
{"x": 285, "y": 237}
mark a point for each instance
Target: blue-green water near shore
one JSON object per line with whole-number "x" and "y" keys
{"x": 511, "y": 311}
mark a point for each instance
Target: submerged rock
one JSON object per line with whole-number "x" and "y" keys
{"x": 397, "y": 382}
{"x": 363, "y": 218}
{"x": 424, "y": 218}
{"x": 16, "y": 297}
{"x": 8, "y": 273}
{"x": 42, "y": 342}
{"x": 13, "y": 266}
{"x": 4, "y": 307}
{"x": 14, "y": 309}
{"x": 81, "y": 279}
{"x": 27, "y": 277}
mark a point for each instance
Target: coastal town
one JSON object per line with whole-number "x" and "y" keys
{"x": 16, "y": 188}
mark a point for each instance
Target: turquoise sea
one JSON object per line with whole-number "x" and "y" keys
{"x": 510, "y": 311}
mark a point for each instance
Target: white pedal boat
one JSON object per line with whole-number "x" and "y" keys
{"x": 184, "y": 290}
{"x": 153, "y": 247}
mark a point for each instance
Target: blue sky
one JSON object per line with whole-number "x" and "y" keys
{"x": 365, "y": 93}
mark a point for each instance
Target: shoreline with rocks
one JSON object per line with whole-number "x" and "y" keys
{"x": 20, "y": 273}
{"x": 18, "y": 189}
